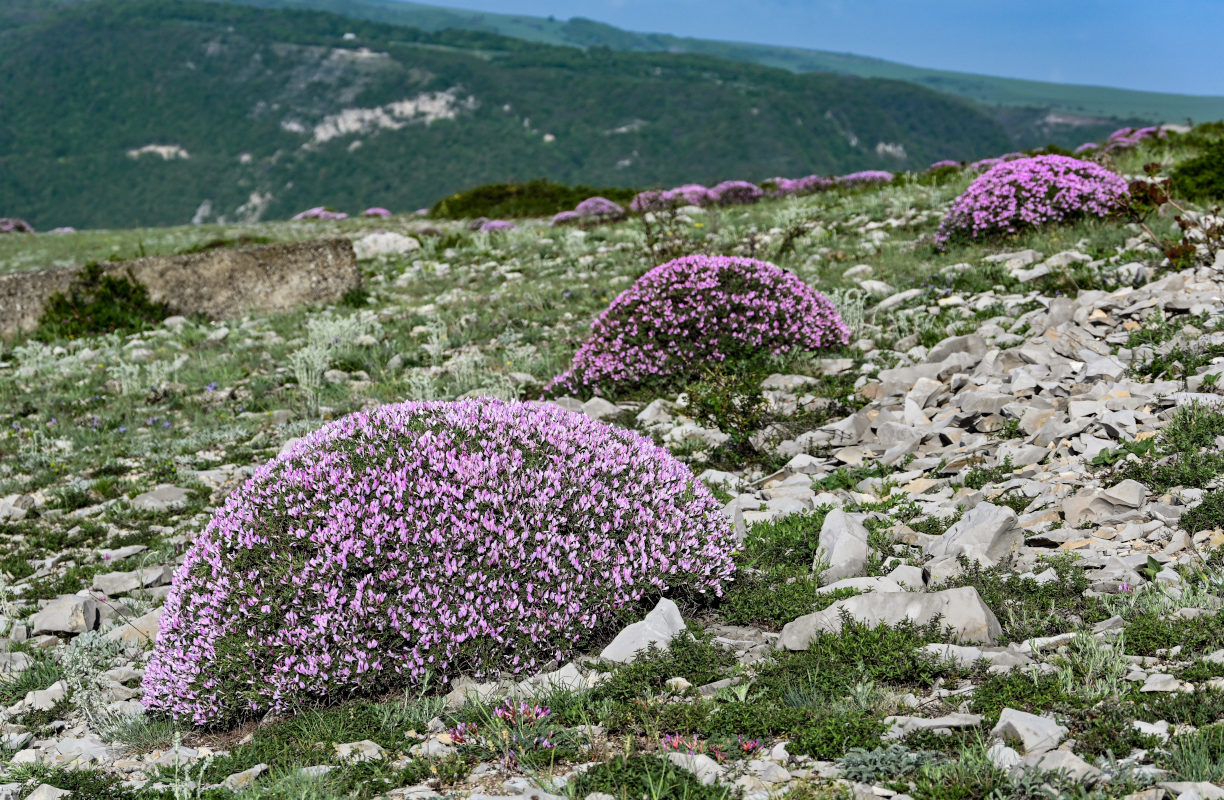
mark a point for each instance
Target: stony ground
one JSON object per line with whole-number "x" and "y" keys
{"x": 980, "y": 543}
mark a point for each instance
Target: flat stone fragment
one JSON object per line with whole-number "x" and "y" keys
{"x": 1161, "y": 682}
{"x": 659, "y": 627}
{"x": 985, "y": 535}
{"x": 1038, "y": 734}
{"x": 1054, "y": 760}
{"x": 45, "y": 791}
{"x": 364, "y": 750}
{"x": 165, "y": 497}
{"x": 141, "y": 629}
{"x": 241, "y": 780}
{"x": 1205, "y": 790}
{"x": 905, "y": 725}
{"x": 843, "y": 542}
{"x": 707, "y": 770}
{"x": 961, "y": 609}
{"x": 68, "y": 613}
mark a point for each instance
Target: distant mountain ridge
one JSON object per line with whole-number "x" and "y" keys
{"x": 1056, "y": 98}
{"x": 145, "y": 112}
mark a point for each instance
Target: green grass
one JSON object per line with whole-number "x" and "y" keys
{"x": 1185, "y": 453}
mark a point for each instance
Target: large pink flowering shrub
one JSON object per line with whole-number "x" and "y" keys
{"x": 1029, "y": 192}
{"x": 696, "y": 310}
{"x": 479, "y": 536}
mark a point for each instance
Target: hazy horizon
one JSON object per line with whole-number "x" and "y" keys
{"x": 1119, "y": 44}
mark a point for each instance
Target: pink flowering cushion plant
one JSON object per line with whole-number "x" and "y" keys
{"x": 1030, "y": 192}
{"x": 695, "y": 310}
{"x": 731, "y": 193}
{"x": 599, "y": 208}
{"x": 481, "y": 537}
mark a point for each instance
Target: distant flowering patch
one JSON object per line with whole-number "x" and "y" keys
{"x": 813, "y": 183}
{"x": 63, "y": 229}
{"x": 870, "y": 176}
{"x": 780, "y": 187}
{"x": 945, "y": 164}
{"x": 479, "y": 536}
{"x": 320, "y": 213}
{"x": 14, "y": 225}
{"x": 566, "y": 218}
{"x": 691, "y": 194}
{"x": 651, "y": 200}
{"x": 1124, "y": 138}
{"x": 376, "y": 212}
{"x": 733, "y": 193}
{"x": 599, "y": 209}
{"x": 1028, "y": 193}
{"x": 1087, "y": 147}
{"x": 985, "y": 164}
{"x": 696, "y": 310}
{"x": 497, "y": 225}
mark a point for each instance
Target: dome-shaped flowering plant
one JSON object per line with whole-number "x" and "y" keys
{"x": 1029, "y": 192}
{"x": 478, "y": 536}
{"x": 695, "y": 310}
{"x": 599, "y": 209}
{"x": 731, "y": 193}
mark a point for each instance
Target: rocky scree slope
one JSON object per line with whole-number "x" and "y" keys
{"x": 1044, "y": 483}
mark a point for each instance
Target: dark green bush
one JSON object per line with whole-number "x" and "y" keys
{"x": 1201, "y": 177}
{"x": 535, "y": 198}
{"x": 96, "y": 303}
{"x": 632, "y": 777}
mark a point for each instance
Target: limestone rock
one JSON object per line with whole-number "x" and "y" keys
{"x": 659, "y": 627}
{"x": 985, "y": 535}
{"x": 66, "y": 614}
{"x": 843, "y": 540}
{"x": 961, "y": 609}
{"x": 165, "y": 497}
{"x": 1038, "y": 734}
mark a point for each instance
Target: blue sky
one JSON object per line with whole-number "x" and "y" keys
{"x": 1160, "y": 45}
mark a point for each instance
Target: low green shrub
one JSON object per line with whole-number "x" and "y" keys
{"x": 1201, "y": 177}
{"x": 535, "y": 198}
{"x": 96, "y": 303}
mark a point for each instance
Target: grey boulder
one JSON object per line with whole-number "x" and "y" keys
{"x": 985, "y": 535}
{"x": 1038, "y": 734}
{"x": 960, "y": 609}
{"x": 659, "y": 627}
{"x": 68, "y": 613}
{"x": 843, "y": 541}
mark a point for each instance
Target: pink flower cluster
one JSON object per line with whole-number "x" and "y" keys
{"x": 1124, "y": 138}
{"x": 736, "y": 193}
{"x": 14, "y": 225}
{"x": 319, "y": 212}
{"x": 376, "y": 212}
{"x": 695, "y": 310}
{"x": 593, "y": 209}
{"x": 481, "y": 537}
{"x": 727, "y": 193}
{"x": 497, "y": 225}
{"x": 785, "y": 187}
{"x": 866, "y": 177}
{"x": 1030, "y": 192}
{"x": 946, "y": 163}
